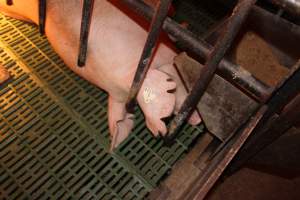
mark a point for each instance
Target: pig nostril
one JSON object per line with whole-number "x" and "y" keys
{"x": 9, "y": 2}
{"x": 166, "y": 120}
{"x": 171, "y": 91}
{"x": 170, "y": 80}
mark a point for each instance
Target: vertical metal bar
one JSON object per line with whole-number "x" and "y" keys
{"x": 87, "y": 12}
{"x": 42, "y": 15}
{"x": 9, "y": 2}
{"x": 144, "y": 63}
{"x": 235, "y": 22}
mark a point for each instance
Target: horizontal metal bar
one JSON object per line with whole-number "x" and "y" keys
{"x": 144, "y": 63}
{"x": 87, "y": 11}
{"x": 235, "y": 22}
{"x": 231, "y": 72}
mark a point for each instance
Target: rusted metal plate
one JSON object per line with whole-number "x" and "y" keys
{"x": 4, "y": 75}
{"x": 223, "y": 107}
{"x": 221, "y": 161}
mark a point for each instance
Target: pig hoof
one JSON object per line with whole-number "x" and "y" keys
{"x": 157, "y": 100}
{"x": 120, "y": 122}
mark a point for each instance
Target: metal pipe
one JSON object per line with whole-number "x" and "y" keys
{"x": 236, "y": 20}
{"x": 291, "y": 6}
{"x": 144, "y": 63}
{"x": 9, "y": 2}
{"x": 231, "y": 72}
{"x": 42, "y": 15}
{"x": 87, "y": 12}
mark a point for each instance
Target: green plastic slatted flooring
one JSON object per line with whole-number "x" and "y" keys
{"x": 54, "y": 137}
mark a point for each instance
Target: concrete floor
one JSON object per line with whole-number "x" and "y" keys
{"x": 249, "y": 184}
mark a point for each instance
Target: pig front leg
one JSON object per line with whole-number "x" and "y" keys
{"x": 120, "y": 122}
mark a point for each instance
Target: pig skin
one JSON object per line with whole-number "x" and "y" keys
{"x": 116, "y": 41}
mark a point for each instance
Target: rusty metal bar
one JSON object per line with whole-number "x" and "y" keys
{"x": 207, "y": 179}
{"x": 287, "y": 90}
{"x": 144, "y": 63}
{"x": 231, "y": 72}
{"x": 87, "y": 12}
{"x": 291, "y": 6}
{"x": 42, "y": 15}
{"x": 224, "y": 42}
{"x": 289, "y": 117}
{"x": 9, "y": 2}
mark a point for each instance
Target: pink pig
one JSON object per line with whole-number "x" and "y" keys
{"x": 116, "y": 40}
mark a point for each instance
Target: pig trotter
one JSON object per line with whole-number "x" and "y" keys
{"x": 120, "y": 122}
{"x": 87, "y": 11}
{"x": 42, "y": 15}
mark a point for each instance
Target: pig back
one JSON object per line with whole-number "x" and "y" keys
{"x": 115, "y": 43}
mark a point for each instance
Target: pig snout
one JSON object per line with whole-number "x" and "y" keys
{"x": 157, "y": 100}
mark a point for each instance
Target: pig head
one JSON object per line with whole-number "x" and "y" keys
{"x": 116, "y": 40}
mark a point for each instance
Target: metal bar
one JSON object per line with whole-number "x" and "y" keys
{"x": 144, "y": 63}
{"x": 224, "y": 42}
{"x": 289, "y": 117}
{"x": 207, "y": 179}
{"x": 272, "y": 29}
{"x": 87, "y": 12}
{"x": 286, "y": 91}
{"x": 291, "y": 6}
{"x": 42, "y": 15}
{"x": 9, "y": 2}
{"x": 231, "y": 72}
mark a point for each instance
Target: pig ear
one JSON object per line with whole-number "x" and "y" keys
{"x": 157, "y": 100}
{"x": 120, "y": 123}
{"x": 181, "y": 92}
